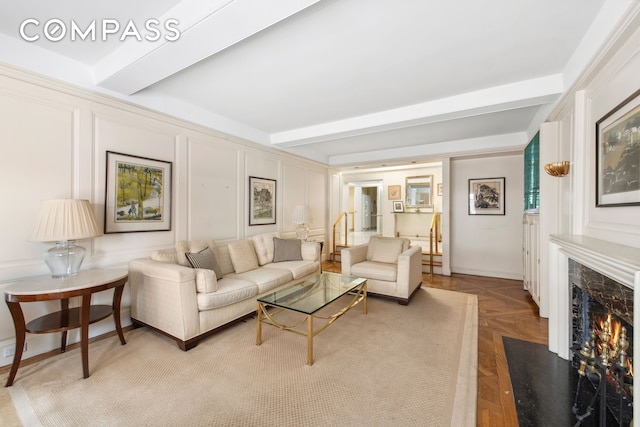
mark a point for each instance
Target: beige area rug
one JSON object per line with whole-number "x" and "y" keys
{"x": 412, "y": 365}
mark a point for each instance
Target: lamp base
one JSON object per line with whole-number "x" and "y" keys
{"x": 64, "y": 259}
{"x": 302, "y": 231}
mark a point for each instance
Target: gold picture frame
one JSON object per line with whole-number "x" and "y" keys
{"x": 395, "y": 192}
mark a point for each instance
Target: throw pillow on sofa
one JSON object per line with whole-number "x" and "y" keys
{"x": 287, "y": 250}
{"x": 243, "y": 257}
{"x": 205, "y": 259}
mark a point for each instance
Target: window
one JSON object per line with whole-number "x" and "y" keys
{"x": 532, "y": 174}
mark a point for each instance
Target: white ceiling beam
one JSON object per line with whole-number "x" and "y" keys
{"x": 493, "y": 144}
{"x": 515, "y": 95}
{"x": 217, "y": 26}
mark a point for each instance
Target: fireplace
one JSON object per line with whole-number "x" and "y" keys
{"x": 602, "y": 346}
{"x": 616, "y": 262}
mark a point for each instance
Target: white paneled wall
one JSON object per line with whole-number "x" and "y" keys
{"x": 487, "y": 245}
{"x": 55, "y": 138}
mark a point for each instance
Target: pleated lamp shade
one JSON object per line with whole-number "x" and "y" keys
{"x": 301, "y": 215}
{"x": 63, "y": 221}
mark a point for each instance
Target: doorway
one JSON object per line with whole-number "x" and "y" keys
{"x": 365, "y": 216}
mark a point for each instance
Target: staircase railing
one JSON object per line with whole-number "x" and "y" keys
{"x": 434, "y": 235}
{"x": 346, "y": 233}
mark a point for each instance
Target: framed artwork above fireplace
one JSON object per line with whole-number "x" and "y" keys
{"x": 618, "y": 155}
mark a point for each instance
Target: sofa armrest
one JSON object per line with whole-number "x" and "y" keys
{"x": 311, "y": 251}
{"x": 409, "y": 270}
{"x": 352, "y": 255}
{"x": 163, "y": 295}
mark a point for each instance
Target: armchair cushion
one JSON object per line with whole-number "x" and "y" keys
{"x": 384, "y": 250}
{"x": 287, "y": 250}
{"x": 243, "y": 256}
{"x": 375, "y": 270}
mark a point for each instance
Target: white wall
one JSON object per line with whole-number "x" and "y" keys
{"x": 55, "y": 139}
{"x": 487, "y": 245}
{"x": 607, "y": 81}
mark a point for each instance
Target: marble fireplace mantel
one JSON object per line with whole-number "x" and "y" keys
{"x": 620, "y": 263}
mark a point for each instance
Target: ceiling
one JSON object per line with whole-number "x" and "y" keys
{"x": 343, "y": 82}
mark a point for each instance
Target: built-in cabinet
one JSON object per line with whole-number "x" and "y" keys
{"x": 531, "y": 254}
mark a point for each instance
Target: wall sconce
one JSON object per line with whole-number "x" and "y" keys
{"x": 557, "y": 169}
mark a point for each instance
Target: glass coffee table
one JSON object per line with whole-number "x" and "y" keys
{"x": 307, "y": 298}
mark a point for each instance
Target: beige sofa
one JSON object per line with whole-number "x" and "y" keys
{"x": 188, "y": 304}
{"x": 393, "y": 267}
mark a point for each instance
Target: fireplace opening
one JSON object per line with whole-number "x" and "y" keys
{"x": 602, "y": 349}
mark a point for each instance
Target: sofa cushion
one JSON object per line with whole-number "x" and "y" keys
{"x": 224, "y": 259}
{"x": 265, "y": 278}
{"x": 243, "y": 256}
{"x": 206, "y": 280}
{"x": 263, "y": 245}
{"x": 204, "y": 259}
{"x": 384, "y": 249}
{"x": 297, "y": 268}
{"x": 287, "y": 250}
{"x": 229, "y": 292}
{"x": 374, "y": 270}
{"x": 165, "y": 255}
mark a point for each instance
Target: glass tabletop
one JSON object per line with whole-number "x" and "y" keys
{"x": 314, "y": 293}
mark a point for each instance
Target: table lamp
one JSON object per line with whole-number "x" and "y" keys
{"x": 302, "y": 217}
{"x": 64, "y": 221}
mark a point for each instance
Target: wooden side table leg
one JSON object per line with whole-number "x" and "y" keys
{"x": 19, "y": 324}
{"x": 117, "y": 297}
{"x": 64, "y": 308}
{"x": 84, "y": 333}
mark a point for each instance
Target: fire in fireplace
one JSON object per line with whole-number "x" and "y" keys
{"x": 602, "y": 331}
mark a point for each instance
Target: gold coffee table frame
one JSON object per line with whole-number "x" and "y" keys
{"x": 307, "y": 298}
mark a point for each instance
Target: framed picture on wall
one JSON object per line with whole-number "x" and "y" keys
{"x": 395, "y": 192}
{"x": 618, "y": 155}
{"x": 138, "y": 194}
{"x": 262, "y": 201}
{"x": 398, "y": 206}
{"x": 486, "y": 196}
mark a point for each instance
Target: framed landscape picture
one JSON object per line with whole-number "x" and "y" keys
{"x": 138, "y": 194}
{"x": 262, "y": 201}
{"x": 486, "y": 196}
{"x": 618, "y": 155}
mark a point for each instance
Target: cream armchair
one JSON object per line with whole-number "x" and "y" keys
{"x": 393, "y": 267}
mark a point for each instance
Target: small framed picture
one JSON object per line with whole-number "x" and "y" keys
{"x": 486, "y": 196}
{"x": 262, "y": 201}
{"x": 398, "y": 206}
{"x": 395, "y": 192}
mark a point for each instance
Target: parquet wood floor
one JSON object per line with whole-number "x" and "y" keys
{"x": 504, "y": 309}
